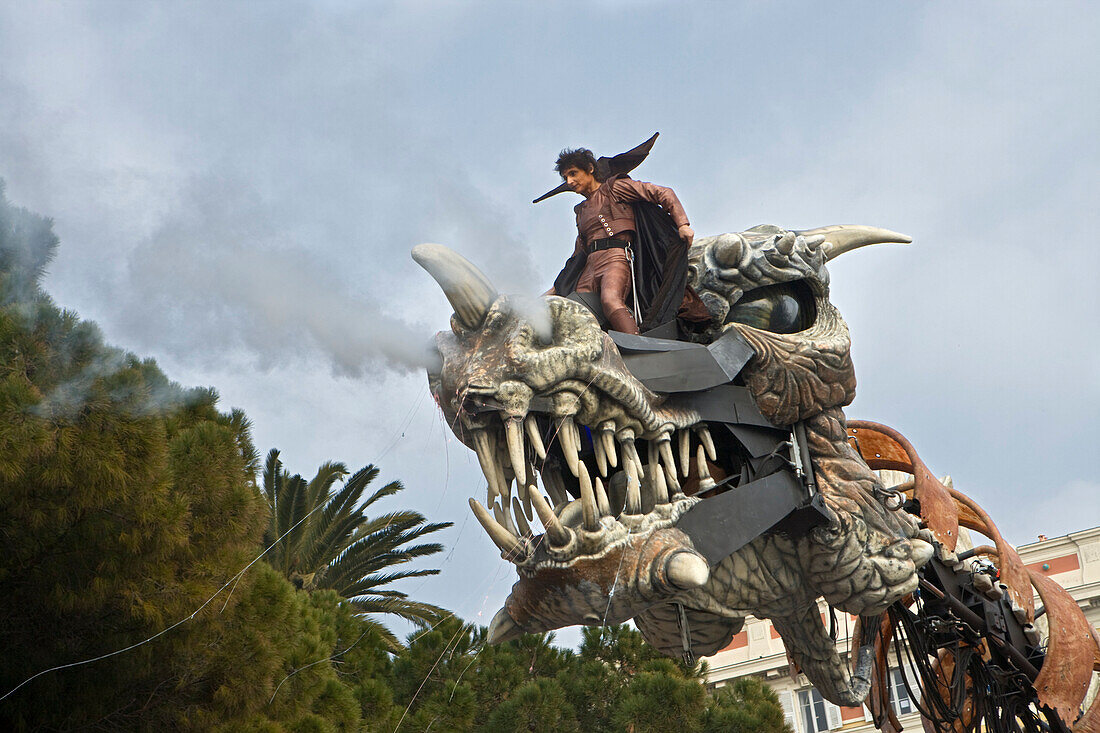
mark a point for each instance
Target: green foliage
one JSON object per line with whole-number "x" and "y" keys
{"x": 267, "y": 663}
{"x": 539, "y": 705}
{"x": 747, "y": 705}
{"x": 321, "y": 537}
{"x": 448, "y": 679}
{"x": 660, "y": 699}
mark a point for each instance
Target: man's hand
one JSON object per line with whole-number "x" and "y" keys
{"x": 686, "y": 233}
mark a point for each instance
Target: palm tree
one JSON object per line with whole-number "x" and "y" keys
{"x": 319, "y": 536}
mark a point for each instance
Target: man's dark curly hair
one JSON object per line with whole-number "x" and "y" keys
{"x": 580, "y": 158}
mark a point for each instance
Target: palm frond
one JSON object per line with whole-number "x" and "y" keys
{"x": 408, "y": 610}
{"x": 272, "y": 467}
{"x": 330, "y": 539}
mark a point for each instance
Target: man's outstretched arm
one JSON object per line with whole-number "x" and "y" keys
{"x": 627, "y": 189}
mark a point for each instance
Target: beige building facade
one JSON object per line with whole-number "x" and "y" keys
{"x": 1073, "y": 561}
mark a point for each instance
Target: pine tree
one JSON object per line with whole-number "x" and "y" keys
{"x": 747, "y": 705}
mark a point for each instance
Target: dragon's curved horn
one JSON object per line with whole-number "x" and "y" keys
{"x": 468, "y": 290}
{"x": 841, "y": 238}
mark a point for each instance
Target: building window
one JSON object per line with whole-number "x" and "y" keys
{"x": 811, "y": 708}
{"x": 899, "y": 696}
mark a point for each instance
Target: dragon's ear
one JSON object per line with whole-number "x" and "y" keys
{"x": 841, "y": 238}
{"x": 465, "y": 286}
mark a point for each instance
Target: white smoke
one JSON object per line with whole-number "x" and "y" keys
{"x": 535, "y": 311}
{"x": 222, "y": 278}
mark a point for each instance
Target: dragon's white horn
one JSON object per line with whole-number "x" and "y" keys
{"x": 465, "y": 286}
{"x": 842, "y": 238}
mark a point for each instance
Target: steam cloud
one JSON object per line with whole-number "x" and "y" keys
{"x": 224, "y": 279}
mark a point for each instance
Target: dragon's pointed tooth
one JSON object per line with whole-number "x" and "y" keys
{"x": 610, "y": 449}
{"x": 510, "y": 545}
{"x": 503, "y": 628}
{"x": 529, "y": 488}
{"x": 503, "y": 516}
{"x": 521, "y": 521}
{"x": 513, "y": 433}
{"x": 569, "y": 445}
{"x": 576, "y": 433}
{"x": 606, "y": 431}
{"x": 601, "y": 498}
{"x": 664, "y": 453}
{"x": 673, "y": 484}
{"x": 486, "y": 452}
{"x": 533, "y": 435}
{"x": 685, "y": 452}
{"x": 633, "y": 495}
{"x": 630, "y": 451}
{"x": 705, "y": 480}
{"x": 555, "y": 531}
{"x": 523, "y": 491}
{"x": 708, "y": 442}
{"x": 651, "y": 486}
{"x": 555, "y": 485}
{"x": 668, "y": 465}
{"x": 687, "y": 570}
{"x": 630, "y": 469}
{"x": 659, "y": 485}
{"x": 588, "y": 501}
{"x": 601, "y": 455}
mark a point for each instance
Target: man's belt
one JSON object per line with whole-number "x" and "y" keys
{"x": 598, "y": 244}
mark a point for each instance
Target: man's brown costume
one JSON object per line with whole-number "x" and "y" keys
{"x": 605, "y": 226}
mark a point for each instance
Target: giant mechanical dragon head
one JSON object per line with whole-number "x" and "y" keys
{"x": 688, "y": 478}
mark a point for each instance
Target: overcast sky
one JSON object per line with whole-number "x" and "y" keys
{"x": 237, "y": 187}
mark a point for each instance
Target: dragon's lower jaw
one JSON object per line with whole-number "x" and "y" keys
{"x": 609, "y": 520}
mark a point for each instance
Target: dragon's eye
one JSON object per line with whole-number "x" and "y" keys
{"x": 779, "y": 308}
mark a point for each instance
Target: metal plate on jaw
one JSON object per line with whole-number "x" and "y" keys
{"x": 725, "y": 403}
{"x": 723, "y": 524}
{"x": 758, "y": 441}
{"x": 666, "y": 365}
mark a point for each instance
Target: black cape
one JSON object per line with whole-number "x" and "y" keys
{"x": 660, "y": 266}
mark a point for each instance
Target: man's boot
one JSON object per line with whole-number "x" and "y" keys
{"x": 623, "y": 320}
